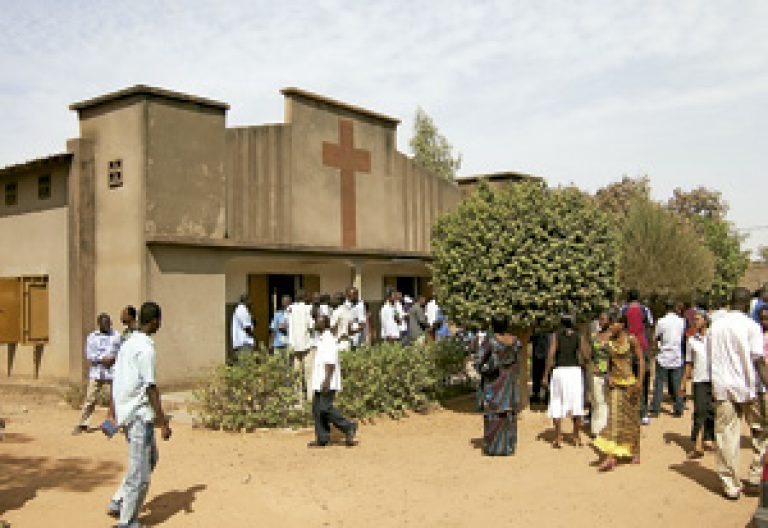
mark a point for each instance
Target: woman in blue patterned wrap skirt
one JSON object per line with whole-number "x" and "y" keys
{"x": 500, "y": 363}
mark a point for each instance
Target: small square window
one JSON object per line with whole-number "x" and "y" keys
{"x": 11, "y": 193}
{"x": 115, "y": 173}
{"x": 44, "y": 187}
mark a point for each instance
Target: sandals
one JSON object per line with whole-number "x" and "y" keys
{"x": 607, "y": 466}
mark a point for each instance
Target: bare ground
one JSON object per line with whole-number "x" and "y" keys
{"x": 420, "y": 471}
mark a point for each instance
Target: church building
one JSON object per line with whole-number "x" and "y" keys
{"x": 158, "y": 199}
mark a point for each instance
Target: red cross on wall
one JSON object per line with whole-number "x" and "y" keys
{"x": 348, "y": 160}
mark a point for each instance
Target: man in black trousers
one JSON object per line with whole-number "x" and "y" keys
{"x": 326, "y": 382}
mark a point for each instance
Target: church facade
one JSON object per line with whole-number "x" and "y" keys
{"x": 157, "y": 199}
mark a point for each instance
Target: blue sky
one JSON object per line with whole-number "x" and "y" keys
{"x": 580, "y": 92}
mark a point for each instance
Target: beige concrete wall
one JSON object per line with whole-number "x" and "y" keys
{"x": 118, "y": 132}
{"x": 189, "y": 285}
{"x": 315, "y": 189}
{"x": 259, "y": 184}
{"x": 36, "y": 244}
{"x": 756, "y": 276}
{"x": 186, "y": 182}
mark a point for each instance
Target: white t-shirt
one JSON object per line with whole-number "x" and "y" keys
{"x": 300, "y": 323}
{"x": 327, "y": 353}
{"x": 735, "y": 341}
{"x": 134, "y": 373}
{"x": 341, "y": 319}
{"x": 696, "y": 354}
{"x": 671, "y": 329}
{"x": 99, "y": 346}
{"x": 431, "y": 312}
{"x": 400, "y": 311}
{"x": 241, "y": 320}
{"x": 389, "y": 328}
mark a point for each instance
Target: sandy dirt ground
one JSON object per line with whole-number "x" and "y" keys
{"x": 420, "y": 471}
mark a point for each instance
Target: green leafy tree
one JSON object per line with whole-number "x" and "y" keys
{"x": 706, "y": 210}
{"x": 617, "y": 197}
{"x": 662, "y": 254}
{"x": 527, "y": 251}
{"x": 431, "y": 149}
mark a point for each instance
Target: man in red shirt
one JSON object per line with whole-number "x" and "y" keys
{"x": 639, "y": 320}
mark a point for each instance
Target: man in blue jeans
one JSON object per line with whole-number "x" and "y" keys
{"x": 138, "y": 409}
{"x": 670, "y": 331}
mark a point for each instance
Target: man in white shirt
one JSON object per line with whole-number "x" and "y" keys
{"x": 300, "y": 323}
{"x": 139, "y": 410}
{"x": 242, "y": 328}
{"x": 401, "y": 312}
{"x": 670, "y": 332}
{"x": 432, "y": 309}
{"x": 390, "y": 330}
{"x": 359, "y": 318}
{"x": 341, "y": 320}
{"x": 100, "y": 351}
{"x": 326, "y": 382}
{"x": 736, "y": 354}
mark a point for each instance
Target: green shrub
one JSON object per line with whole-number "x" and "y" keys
{"x": 257, "y": 391}
{"x": 389, "y": 378}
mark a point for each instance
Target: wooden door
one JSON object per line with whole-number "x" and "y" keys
{"x": 10, "y": 310}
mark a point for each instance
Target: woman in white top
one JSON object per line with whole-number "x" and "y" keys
{"x": 697, "y": 364}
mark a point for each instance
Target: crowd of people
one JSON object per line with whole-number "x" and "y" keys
{"x": 604, "y": 377}
{"x": 601, "y": 377}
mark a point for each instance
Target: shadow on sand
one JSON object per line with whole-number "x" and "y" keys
{"x": 166, "y": 505}
{"x": 22, "y": 477}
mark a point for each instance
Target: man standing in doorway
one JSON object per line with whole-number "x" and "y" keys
{"x": 736, "y": 351}
{"x": 326, "y": 382}
{"x": 242, "y": 328}
{"x": 278, "y": 328}
{"x": 100, "y": 351}
{"x": 417, "y": 321}
{"x": 390, "y": 330}
{"x": 139, "y": 410}
{"x": 300, "y": 339}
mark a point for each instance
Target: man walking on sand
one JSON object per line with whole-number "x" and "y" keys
{"x": 735, "y": 349}
{"x": 326, "y": 382}
{"x": 139, "y": 410}
{"x": 100, "y": 350}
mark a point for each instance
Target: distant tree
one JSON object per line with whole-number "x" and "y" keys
{"x": 762, "y": 253}
{"x": 706, "y": 210}
{"x": 617, "y": 197}
{"x": 699, "y": 202}
{"x": 662, "y": 253}
{"x": 431, "y": 149}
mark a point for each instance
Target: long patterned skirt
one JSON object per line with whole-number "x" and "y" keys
{"x": 621, "y": 437}
{"x": 500, "y": 419}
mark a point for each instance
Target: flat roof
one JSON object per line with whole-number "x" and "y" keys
{"x": 37, "y": 163}
{"x": 496, "y": 177}
{"x": 291, "y": 91}
{"x": 148, "y": 91}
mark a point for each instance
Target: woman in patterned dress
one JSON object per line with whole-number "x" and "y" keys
{"x": 599, "y": 369}
{"x": 621, "y": 437}
{"x": 501, "y": 394}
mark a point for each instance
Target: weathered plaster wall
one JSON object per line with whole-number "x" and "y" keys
{"x": 186, "y": 182}
{"x": 36, "y": 244}
{"x": 28, "y": 200}
{"x": 117, "y": 132}
{"x": 189, "y": 285}
{"x": 258, "y": 184}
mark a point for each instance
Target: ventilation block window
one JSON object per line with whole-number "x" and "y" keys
{"x": 11, "y": 193}
{"x": 44, "y": 187}
{"x": 115, "y": 173}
